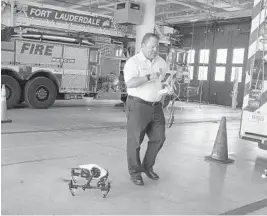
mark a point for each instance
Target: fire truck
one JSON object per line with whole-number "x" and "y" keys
{"x": 57, "y": 56}
{"x": 39, "y": 69}
{"x": 254, "y": 113}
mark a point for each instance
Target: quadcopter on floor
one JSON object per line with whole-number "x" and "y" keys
{"x": 90, "y": 172}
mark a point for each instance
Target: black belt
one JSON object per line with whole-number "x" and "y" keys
{"x": 143, "y": 101}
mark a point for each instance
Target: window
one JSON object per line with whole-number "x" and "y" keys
{"x": 238, "y": 55}
{"x": 239, "y": 71}
{"x": 203, "y": 64}
{"x": 220, "y": 73}
{"x": 220, "y": 67}
{"x": 191, "y": 72}
{"x": 93, "y": 56}
{"x": 190, "y": 62}
{"x": 118, "y": 52}
{"x": 204, "y": 56}
{"x": 237, "y": 63}
{"x": 121, "y": 6}
{"x": 179, "y": 58}
{"x": 203, "y": 73}
{"x": 135, "y": 6}
{"x": 185, "y": 58}
{"x": 191, "y": 57}
{"x": 221, "y": 56}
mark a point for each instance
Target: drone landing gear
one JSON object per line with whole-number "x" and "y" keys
{"x": 104, "y": 188}
{"x": 83, "y": 173}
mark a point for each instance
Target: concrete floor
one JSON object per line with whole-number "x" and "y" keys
{"x": 40, "y": 146}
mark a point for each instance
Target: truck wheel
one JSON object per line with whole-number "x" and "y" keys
{"x": 13, "y": 90}
{"x": 40, "y": 93}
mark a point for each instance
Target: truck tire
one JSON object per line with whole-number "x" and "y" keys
{"x": 13, "y": 90}
{"x": 40, "y": 93}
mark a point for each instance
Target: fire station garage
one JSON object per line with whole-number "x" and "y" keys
{"x": 72, "y": 111}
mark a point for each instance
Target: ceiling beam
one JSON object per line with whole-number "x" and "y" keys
{"x": 201, "y": 17}
{"x": 188, "y": 5}
{"x": 107, "y": 12}
{"x": 163, "y": 3}
{"x": 220, "y": 3}
{"x": 87, "y": 3}
{"x": 171, "y": 16}
{"x": 110, "y": 4}
{"x": 99, "y": 11}
{"x": 173, "y": 11}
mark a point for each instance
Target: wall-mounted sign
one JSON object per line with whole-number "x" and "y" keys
{"x": 69, "y": 17}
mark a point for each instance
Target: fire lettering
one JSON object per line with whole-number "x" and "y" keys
{"x": 37, "y": 49}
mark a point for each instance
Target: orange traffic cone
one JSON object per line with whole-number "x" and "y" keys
{"x": 4, "y": 118}
{"x": 220, "y": 149}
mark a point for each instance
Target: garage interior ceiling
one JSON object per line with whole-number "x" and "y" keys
{"x": 168, "y": 12}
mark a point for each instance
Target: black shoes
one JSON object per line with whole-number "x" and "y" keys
{"x": 137, "y": 180}
{"x": 151, "y": 174}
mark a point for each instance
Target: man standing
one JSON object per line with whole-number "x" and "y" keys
{"x": 143, "y": 75}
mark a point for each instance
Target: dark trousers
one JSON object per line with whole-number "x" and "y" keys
{"x": 143, "y": 118}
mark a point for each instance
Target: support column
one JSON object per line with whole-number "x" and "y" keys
{"x": 12, "y": 13}
{"x": 7, "y": 13}
{"x": 148, "y": 8}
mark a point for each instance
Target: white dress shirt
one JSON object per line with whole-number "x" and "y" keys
{"x": 139, "y": 66}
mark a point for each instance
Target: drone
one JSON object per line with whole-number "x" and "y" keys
{"x": 90, "y": 172}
